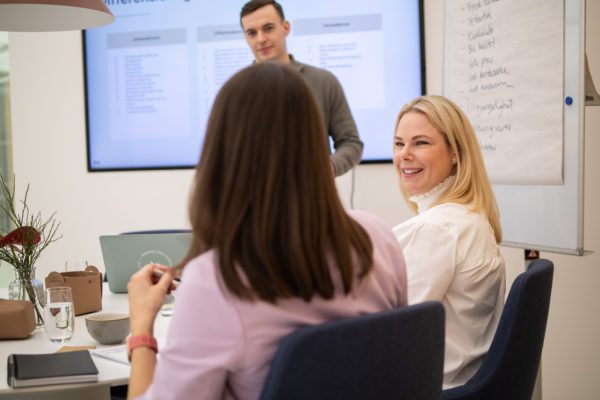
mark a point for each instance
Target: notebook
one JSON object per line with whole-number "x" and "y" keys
{"x": 125, "y": 254}
{"x": 24, "y": 370}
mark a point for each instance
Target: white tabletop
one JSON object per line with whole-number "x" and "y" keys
{"x": 110, "y": 372}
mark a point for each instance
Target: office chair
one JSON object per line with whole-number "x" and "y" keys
{"x": 118, "y": 392}
{"x": 510, "y": 367}
{"x": 396, "y": 354}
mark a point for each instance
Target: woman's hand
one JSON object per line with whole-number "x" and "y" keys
{"x": 146, "y": 295}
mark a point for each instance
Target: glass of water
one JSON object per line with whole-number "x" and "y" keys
{"x": 59, "y": 316}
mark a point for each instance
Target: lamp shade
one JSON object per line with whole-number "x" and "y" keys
{"x": 52, "y": 15}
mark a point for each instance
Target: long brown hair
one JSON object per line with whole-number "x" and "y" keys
{"x": 264, "y": 197}
{"x": 472, "y": 185}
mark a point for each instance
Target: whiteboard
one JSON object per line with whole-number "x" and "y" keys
{"x": 543, "y": 217}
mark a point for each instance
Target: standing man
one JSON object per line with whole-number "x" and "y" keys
{"x": 265, "y": 30}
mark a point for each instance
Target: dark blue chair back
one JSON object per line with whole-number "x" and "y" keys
{"x": 510, "y": 368}
{"x": 396, "y": 354}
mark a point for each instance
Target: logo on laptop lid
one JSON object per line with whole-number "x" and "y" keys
{"x": 154, "y": 257}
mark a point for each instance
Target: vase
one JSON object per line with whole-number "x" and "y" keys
{"x": 27, "y": 287}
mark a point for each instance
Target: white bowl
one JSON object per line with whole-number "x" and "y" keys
{"x": 108, "y": 328}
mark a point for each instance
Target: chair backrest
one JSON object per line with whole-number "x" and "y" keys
{"x": 509, "y": 370}
{"x": 394, "y": 354}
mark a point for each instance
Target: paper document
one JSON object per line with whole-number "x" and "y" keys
{"x": 119, "y": 353}
{"x": 116, "y": 353}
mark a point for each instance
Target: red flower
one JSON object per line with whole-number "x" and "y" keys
{"x": 26, "y": 235}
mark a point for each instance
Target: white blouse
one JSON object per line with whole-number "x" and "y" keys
{"x": 452, "y": 256}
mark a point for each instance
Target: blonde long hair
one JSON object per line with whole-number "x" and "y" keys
{"x": 472, "y": 185}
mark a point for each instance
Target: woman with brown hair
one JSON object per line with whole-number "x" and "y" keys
{"x": 273, "y": 249}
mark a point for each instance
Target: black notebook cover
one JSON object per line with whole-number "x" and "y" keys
{"x": 50, "y": 369}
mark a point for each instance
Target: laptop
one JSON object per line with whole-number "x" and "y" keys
{"x": 125, "y": 254}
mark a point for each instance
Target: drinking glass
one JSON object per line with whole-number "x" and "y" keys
{"x": 59, "y": 316}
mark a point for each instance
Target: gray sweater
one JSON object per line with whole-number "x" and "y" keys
{"x": 336, "y": 113}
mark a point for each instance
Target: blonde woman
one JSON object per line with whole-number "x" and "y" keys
{"x": 451, "y": 245}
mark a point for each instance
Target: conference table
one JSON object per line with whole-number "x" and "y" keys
{"x": 111, "y": 373}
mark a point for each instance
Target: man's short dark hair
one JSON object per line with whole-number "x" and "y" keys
{"x": 254, "y": 5}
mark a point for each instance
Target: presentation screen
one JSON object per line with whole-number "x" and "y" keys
{"x": 152, "y": 75}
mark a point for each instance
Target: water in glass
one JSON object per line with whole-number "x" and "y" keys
{"x": 59, "y": 316}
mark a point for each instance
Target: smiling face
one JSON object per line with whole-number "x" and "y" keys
{"x": 265, "y": 33}
{"x": 422, "y": 157}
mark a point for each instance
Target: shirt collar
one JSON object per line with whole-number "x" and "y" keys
{"x": 295, "y": 64}
{"x": 425, "y": 200}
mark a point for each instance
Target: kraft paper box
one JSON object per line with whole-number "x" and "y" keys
{"x": 17, "y": 319}
{"x": 85, "y": 285}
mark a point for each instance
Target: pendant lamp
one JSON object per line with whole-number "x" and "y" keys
{"x": 52, "y": 15}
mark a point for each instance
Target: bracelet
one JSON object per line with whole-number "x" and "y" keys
{"x": 133, "y": 342}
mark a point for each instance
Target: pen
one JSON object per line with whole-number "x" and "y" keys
{"x": 158, "y": 273}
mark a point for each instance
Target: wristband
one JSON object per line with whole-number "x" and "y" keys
{"x": 133, "y": 342}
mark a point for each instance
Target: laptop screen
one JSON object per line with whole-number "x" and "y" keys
{"x": 125, "y": 254}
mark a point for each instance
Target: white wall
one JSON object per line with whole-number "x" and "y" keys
{"x": 50, "y": 154}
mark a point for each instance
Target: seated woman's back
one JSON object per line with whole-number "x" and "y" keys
{"x": 222, "y": 345}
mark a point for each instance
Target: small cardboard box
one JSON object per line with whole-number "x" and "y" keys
{"x": 17, "y": 319}
{"x": 85, "y": 285}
